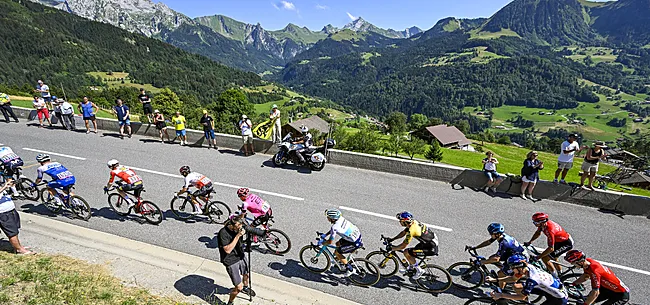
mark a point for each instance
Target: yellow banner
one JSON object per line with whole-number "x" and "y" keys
{"x": 264, "y": 129}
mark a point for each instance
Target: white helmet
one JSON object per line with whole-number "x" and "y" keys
{"x": 304, "y": 129}
{"x": 112, "y": 163}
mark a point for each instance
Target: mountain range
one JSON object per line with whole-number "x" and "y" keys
{"x": 238, "y": 44}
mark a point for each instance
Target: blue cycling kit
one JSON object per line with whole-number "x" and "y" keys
{"x": 509, "y": 246}
{"x": 61, "y": 177}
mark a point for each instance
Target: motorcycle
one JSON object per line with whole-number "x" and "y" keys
{"x": 314, "y": 156}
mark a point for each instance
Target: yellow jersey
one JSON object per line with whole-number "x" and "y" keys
{"x": 420, "y": 232}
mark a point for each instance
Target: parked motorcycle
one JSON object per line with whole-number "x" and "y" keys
{"x": 314, "y": 156}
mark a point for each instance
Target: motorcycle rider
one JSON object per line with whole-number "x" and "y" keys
{"x": 306, "y": 141}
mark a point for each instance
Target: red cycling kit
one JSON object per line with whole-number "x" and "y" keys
{"x": 602, "y": 276}
{"x": 557, "y": 238}
{"x": 125, "y": 174}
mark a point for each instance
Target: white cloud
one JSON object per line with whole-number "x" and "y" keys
{"x": 288, "y": 5}
{"x": 351, "y": 17}
{"x": 322, "y": 7}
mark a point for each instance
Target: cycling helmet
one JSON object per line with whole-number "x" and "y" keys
{"x": 112, "y": 163}
{"x": 185, "y": 170}
{"x": 516, "y": 261}
{"x": 42, "y": 158}
{"x": 540, "y": 217}
{"x": 243, "y": 192}
{"x": 333, "y": 214}
{"x": 574, "y": 256}
{"x": 404, "y": 216}
{"x": 495, "y": 228}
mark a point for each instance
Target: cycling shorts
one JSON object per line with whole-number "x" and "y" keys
{"x": 612, "y": 297}
{"x": 345, "y": 246}
{"x": 561, "y": 248}
{"x": 135, "y": 187}
{"x": 63, "y": 184}
{"x": 262, "y": 219}
{"x": 423, "y": 250}
{"x": 204, "y": 191}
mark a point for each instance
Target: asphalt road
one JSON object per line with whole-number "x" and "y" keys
{"x": 299, "y": 197}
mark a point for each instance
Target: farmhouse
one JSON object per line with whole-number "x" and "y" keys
{"x": 447, "y": 136}
{"x": 638, "y": 179}
{"x": 313, "y": 123}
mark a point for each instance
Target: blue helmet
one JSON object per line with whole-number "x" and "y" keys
{"x": 54, "y": 97}
{"x": 404, "y": 216}
{"x": 517, "y": 261}
{"x": 495, "y": 228}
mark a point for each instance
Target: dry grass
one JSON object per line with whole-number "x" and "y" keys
{"x": 47, "y": 279}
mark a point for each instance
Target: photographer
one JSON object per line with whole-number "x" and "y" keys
{"x": 232, "y": 254}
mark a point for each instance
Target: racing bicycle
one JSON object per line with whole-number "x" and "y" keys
{"x": 63, "y": 199}
{"x": 24, "y": 185}
{"x": 318, "y": 258}
{"x": 275, "y": 240}
{"x": 435, "y": 278}
{"x": 123, "y": 206}
{"x": 183, "y": 207}
{"x": 575, "y": 293}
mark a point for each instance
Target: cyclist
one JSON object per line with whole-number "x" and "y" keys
{"x": 537, "y": 282}
{"x": 62, "y": 178}
{"x": 202, "y": 183}
{"x": 427, "y": 242}
{"x": 508, "y": 246}
{"x": 605, "y": 286}
{"x": 129, "y": 180}
{"x": 258, "y": 207}
{"x": 559, "y": 241}
{"x": 350, "y": 237}
{"x": 9, "y": 163}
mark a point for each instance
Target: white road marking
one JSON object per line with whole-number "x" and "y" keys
{"x": 56, "y": 154}
{"x": 540, "y": 250}
{"x": 217, "y": 183}
{"x": 389, "y": 217}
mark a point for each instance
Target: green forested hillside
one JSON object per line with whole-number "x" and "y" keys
{"x": 45, "y": 43}
{"x": 623, "y": 21}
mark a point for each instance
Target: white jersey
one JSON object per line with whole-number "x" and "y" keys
{"x": 196, "y": 180}
{"x": 345, "y": 229}
{"x": 7, "y": 155}
{"x": 544, "y": 281}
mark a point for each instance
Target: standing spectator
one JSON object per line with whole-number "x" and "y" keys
{"x": 277, "y": 126}
{"x": 67, "y": 112}
{"x": 44, "y": 90}
{"x": 565, "y": 160}
{"x": 208, "y": 129}
{"x": 5, "y": 107}
{"x": 247, "y": 134}
{"x": 88, "y": 110}
{"x": 57, "y": 110}
{"x": 530, "y": 174}
{"x": 233, "y": 257}
{"x": 10, "y": 220}
{"x": 41, "y": 111}
{"x": 179, "y": 125}
{"x": 159, "y": 119}
{"x": 490, "y": 170}
{"x": 590, "y": 165}
{"x": 146, "y": 104}
{"x": 123, "y": 117}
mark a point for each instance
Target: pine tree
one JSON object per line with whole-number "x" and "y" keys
{"x": 435, "y": 152}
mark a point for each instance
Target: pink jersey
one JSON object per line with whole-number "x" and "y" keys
{"x": 256, "y": 205}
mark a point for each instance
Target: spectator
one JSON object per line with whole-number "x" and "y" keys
{"x": 208, "y": 129}
{"x": 57, "y": 110}
{"x": 179, "y": 125}
{"x": 123, "y": 117}
{"x": 565, "y": 160}
{"x": 67, "y": 112}
{"x": 590, "y": 165}
{"x": 233, "y": 258}
{"x": 146, "y": 104}
{"x": 41, "y": 111}
{"x": 159, "y": 119}
{"x": 490, "y": 170}
{"x": 10, "y": 219}
{"x": 44, "y": 90}
{"x": 88, "y": 110}
{"x": 530, "y": 174}
{"x": 5, "y": 107}
{"x": 277, "y": 126}
{"x": 247, "y": 134}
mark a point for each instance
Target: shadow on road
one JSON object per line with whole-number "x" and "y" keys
{"x": 167, "y": 215}
{"x": 231, "y": 151}
{"x": 294, "y": 269}
{"x": 618, "y": 214}
{"x": 210, "y": 242}
{"x": 293, "y": 167}
{"x": 201, "y": 287}
{"x": 109, "y": 214}
{"x": 40, "y": 209}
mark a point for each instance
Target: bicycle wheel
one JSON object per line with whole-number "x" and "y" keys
{"x": 466, "y": 276}
{"x": 575, "y": 292}
{"x": 30, "y": 192}
{"x": 218, "y": 212}
{"x": 435, "y": 279}
{"x": 481, "y": 301}
{"x": 51, "y": 202}
{"x": 80, "y": 207}
{"x": 387, "y": 264}
{"x": 183, "y": 208}
{"x": 277, "y": 241}
{"x": 366, "y": 273}
{"x": 151, "y": 212}
{"x": 313, "y": 263}
{"x": 119, "y": 204}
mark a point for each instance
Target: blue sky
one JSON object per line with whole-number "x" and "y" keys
{"x": 396, "y": 14}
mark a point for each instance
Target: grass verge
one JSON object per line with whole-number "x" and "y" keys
{"x": 57, "y": 279}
